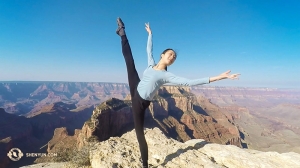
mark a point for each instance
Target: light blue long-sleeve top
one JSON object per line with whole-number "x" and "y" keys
{"x": 153, "y": 79}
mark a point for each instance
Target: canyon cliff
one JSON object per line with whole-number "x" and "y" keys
{"x": 175, "y": 110}
{"x": 268, "y": 118}
{"x": 32, "y": 133}
{"x": 257, "y": 118}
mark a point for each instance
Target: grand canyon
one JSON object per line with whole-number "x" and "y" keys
{"x": 56, "y": 116}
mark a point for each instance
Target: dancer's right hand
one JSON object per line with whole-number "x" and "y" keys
{"x": 148, "y": 28}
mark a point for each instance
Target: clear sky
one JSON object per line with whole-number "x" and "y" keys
{"x": 75, "y": 40}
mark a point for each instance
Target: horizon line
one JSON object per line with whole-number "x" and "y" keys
{"x": 52, "y": 81}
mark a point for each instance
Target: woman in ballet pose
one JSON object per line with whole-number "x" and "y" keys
{"x": 143, "y": 90}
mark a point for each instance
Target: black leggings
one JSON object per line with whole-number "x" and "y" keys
{"x": 139, "y": 105}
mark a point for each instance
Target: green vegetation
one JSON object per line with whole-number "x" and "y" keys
{"x": 64, "y": 155}
{"x": 114, "y": 104}
{"x": 89, "y": 123}
{"x": 93, "y": 138}
{"x": 74, "y": 157}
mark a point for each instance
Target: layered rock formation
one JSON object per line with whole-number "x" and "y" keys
{"x": 175, "y": 110}
{"x": 183, "y": 116}
{"x": 248, "y": 97}
{"x": 58, "y": 115}
{"x": 266, "y": 117}
{"x": 168, "y": 153}
{"x": 23, "y": 97}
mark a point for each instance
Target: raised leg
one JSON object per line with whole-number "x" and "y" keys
{"x": 133, "y": 77}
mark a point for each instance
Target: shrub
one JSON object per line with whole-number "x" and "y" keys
{"x": 74, "y": 157}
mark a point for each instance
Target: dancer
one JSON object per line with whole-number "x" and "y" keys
{"x": 142, "y": 91}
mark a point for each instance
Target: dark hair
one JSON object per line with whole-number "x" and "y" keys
{"x": 166, "y": 51}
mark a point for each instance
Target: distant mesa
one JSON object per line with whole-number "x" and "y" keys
{"x": 24, "y": 97}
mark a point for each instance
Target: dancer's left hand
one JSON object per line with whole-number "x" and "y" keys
{"x": 148, "y": 28}
{"x": 229, "y": 76}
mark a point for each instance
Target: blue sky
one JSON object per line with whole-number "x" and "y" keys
{"x": 75, "y": 40}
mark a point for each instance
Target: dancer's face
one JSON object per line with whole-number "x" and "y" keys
{"x": 169, "y": 57}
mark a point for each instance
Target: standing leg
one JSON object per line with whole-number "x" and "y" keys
{"x": 139, "y": 107}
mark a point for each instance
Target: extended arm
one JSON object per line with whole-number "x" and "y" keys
{"x": 172, "y": 79}
{"x": 224, "y": 75}
{"x": 149, "y": 46}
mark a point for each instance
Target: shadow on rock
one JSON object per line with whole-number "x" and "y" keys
{"x": 196, "y": 146}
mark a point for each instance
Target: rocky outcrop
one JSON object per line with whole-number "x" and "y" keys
{"x": 169, "y": 153}
{"x": 107, "y": 120}
{"x": 175, "y": 110}
{"x": 165, "y": 152}
{"x": 60, "y": 142}
{"x": 62, "y": 139}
